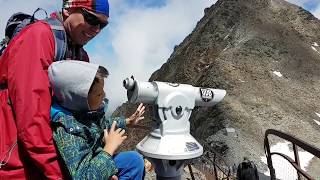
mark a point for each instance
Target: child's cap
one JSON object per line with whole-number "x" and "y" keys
{"x": 71, "y": 81}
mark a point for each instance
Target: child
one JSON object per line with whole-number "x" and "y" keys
{"x": 79, "y": 125}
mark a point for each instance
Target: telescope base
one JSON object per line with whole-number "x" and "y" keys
{"x": 168, "y": 169}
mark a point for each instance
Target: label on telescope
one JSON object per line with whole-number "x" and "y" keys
{"x": 192, "y": 146}
{"x": 206, "y": 94}
{"x": 173, "y": 84}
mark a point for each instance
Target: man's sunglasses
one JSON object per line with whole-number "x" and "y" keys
{"x": 92, "y": 19}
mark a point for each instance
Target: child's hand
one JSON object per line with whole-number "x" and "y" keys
{"x": 136, "y": 116}
{"x": 114, "y": 177}
{"x": 113, "y": 139}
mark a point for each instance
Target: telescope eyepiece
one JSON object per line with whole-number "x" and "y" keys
{"x": 179, "y": 110}
{"x": 128, "y": 83}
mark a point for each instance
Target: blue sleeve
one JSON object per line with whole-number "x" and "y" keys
{"x": 80, "y": 159}
{"x": 107, "y": 122}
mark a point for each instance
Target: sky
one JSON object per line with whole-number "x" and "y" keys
{"x": 140, "y": 37}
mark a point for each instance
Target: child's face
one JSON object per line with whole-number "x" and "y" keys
{"x": 96, "y": 95}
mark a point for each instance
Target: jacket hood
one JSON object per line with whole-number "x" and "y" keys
{"x": 71, "y": 81}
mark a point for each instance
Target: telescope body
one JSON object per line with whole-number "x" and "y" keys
{"x": 170, "y": 141}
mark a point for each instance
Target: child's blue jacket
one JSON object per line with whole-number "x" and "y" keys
{"x": 78, "y": 138}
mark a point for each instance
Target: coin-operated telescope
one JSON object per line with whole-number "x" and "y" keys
{"x": 170, "y": 144}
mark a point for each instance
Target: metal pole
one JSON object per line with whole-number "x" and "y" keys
{"x": 191, "y": 173}
{"x": 269, "y": 160}
{"x": 296, "y": 158}
{"x": 214, "y": 166}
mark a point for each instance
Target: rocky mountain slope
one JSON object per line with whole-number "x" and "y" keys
{"x": 265, "y": 54}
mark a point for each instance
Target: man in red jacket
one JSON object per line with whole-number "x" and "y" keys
{"x": 26, "y": 147}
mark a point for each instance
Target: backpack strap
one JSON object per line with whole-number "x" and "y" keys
{"x": 60, "y": 38}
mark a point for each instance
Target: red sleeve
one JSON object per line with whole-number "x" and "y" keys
{"x": 30, "y": 54}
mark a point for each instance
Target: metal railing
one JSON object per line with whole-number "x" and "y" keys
{"x": 296, "y": 162}
{"x": 217, "y": 168}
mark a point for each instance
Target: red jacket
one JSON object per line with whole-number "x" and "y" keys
{"x": 23, "y": 67}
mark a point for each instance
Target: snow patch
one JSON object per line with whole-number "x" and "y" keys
{"x": 315, "y": 44}
{"x": 226, "y": 36}
{"x": 225, "y": 48}
{"x": 277, "y": 73}
{"x": 317, "y": 122}
{"x": 315, "y": 49}
{"x": 283, "y": 169}
{"x": 317, "y": 114}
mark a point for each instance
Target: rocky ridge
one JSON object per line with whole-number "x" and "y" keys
{"x": 265, "y": 54}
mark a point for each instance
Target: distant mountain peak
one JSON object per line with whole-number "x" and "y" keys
{"x": 238, "y": 46}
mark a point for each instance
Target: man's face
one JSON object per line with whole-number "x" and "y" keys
{"x": 96, "y": 95}
{"x": 83, "y": 25}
